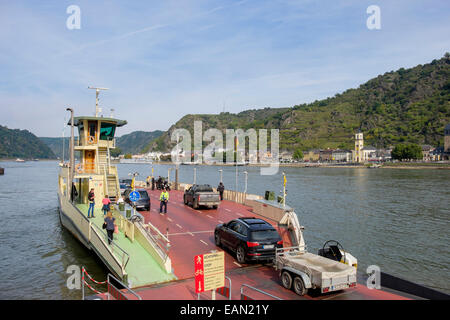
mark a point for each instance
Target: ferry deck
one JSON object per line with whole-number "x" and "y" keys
{"x": 191, "y": 232}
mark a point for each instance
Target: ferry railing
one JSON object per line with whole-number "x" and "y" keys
{"x": 125, "y": 255}
{"x": 223, "y": 291}
{"x": 112, "y": 289}
{"x": 245, "y": 297}
{"x": 162, "y": 242}
{"x": 117, "y": 293}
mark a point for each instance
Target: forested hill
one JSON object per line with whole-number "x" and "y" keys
{"x": 407, "y": 105}
{"x": 56, "y": 145}
{"x": 136, "y": 141}
{"x": 15, "y": 143}
{"x": 132, "y": 143}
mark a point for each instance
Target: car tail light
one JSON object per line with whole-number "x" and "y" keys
{"x": 252, "y": 244}
{"x": 280, "y": 242}
{"x": 198, "y": 199}
{"x": 254, "y": 254}
{"x": 352, "y": 284}
{"x": 325, "y": 290}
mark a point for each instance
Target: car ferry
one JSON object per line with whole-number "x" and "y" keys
{"x": 152, "y": 255}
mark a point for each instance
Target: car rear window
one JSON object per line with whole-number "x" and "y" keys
{"x": 264, "y": 234}
{"x": 204, "y": 188}
{"x": 143, "y": 194}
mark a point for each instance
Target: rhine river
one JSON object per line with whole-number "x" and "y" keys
{"x": 396, "y": 219}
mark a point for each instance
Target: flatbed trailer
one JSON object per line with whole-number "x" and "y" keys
{"x": 302, "y": 270}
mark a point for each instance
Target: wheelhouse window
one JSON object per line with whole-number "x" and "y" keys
{"x": 107, "y": 131}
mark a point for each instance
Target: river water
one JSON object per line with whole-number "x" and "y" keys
{"x": 396, "y": 219}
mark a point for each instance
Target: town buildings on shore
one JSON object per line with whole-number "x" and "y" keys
{"x": 364, "y": 154}
{"x": 360, "y": 154}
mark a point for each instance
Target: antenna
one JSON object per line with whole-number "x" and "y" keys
{"x": 97, "y": 91}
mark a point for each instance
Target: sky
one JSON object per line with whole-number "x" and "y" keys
{"x": 164, "y": 59}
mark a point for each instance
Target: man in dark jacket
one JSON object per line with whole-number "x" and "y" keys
{"x": 91, "y": 198}
{"x": 221, "y": 188}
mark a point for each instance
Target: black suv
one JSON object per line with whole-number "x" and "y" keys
{"x": 142, "y": 203}
{"x": 251, "y": 239}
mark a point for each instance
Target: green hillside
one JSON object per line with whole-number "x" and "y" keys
{"x": 15, "y": 143}
{"x": 222, "y": 121}
{"x": 408, "y": 105}
{"x": 136, "y": 141}
{"x": 56, "y": 145}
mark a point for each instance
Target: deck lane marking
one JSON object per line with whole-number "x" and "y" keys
{"x": 179, "y": 226}
{"x": 220, "y": 221}
{"x": 228, "y": 210}
{"x": 169, "y": 219}
{"x": 203, "y": 242}
{"x": 209, "y": 216}
{"x": 237, "y": 264}
{"x": 189, "y": 232}
{"x": 239, "y": 214}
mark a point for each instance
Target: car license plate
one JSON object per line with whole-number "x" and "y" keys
{"x": 268, "y": 246}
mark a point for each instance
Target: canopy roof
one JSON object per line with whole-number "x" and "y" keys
{"x": 77, "y": 120}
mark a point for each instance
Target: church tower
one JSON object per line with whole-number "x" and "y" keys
{"x": 359, "y": 145}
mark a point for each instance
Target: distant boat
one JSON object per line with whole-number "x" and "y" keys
{"x": 20, "y": 160}
{"x": 35, "y": 159}
{"x": 2, "y": 171}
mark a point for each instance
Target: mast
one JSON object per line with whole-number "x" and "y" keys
{"x": 97, "y": 92}
{"x": 72, "y": 157}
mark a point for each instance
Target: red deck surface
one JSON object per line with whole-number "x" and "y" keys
{"x": 191, "y": 232}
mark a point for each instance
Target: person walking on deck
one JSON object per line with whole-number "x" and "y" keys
{"x": 164, "y": 198}
{"x": 221, "y": 188}
{"x": 106, "y": 204}
{"x": 109, "y": 221}
{"x": 91, "y": 198}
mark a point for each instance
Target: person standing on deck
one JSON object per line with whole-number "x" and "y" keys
{"x": 91, "y": 198}
{"x": 109, "y": 221}
{"x": 106, "y": 204}
{"x": 221, "y": 188}
{"x": 164, "y": 198}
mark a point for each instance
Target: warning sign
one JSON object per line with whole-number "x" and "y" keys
{"x": 209, "y": 271}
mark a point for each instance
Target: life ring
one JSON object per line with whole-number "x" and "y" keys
{"x": 91, "y": 139}
{"x": 79, "y": 168}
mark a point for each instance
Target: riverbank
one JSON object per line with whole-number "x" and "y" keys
{"x": 392, "y": 165}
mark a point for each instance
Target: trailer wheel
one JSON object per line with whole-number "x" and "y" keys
{"x": 286, "y": 279}
{"x": 299, "y": 286}
{"x": 195, "y": 204}
{"x": 184, "y": 200}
